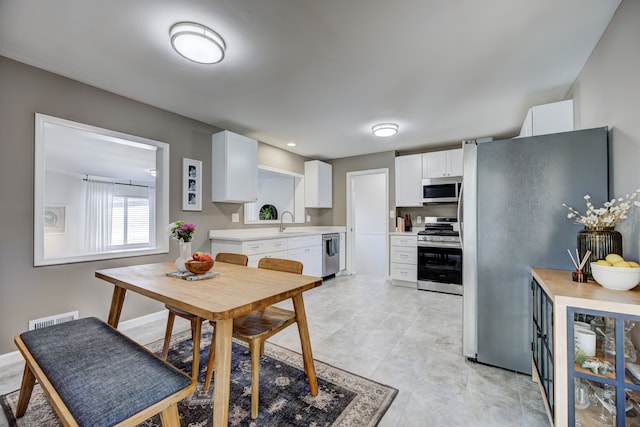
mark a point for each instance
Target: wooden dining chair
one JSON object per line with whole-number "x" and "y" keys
{"x": 255, "y": 328}
{"x": 230, "y": 258}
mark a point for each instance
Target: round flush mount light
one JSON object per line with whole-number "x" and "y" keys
{"x": 385, "y": 129}
{"x": 197, "y": 43}
{"x": 291, "y": 144}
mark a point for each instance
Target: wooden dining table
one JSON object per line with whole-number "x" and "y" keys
{"x": 235, "y": 292}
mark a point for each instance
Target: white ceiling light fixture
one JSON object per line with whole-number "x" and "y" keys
{"x": 291, "y": 144}
{"x": 384, "y": 130}
{"x": 197, "y": 43}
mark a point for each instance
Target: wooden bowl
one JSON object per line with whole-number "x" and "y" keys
{"x": 198, "y": 267}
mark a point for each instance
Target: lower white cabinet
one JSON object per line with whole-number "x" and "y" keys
{"x": 307, "y": 250}
{"x": 403, "y": 256}
{"x": 268, "y": 248}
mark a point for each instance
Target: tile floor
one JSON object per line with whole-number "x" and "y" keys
{"x": 408, "y": 339}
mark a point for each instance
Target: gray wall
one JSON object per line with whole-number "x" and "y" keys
{"x": 29, "y": 293}
{"x": 338, "y": 215}
{"x": 607, "y": 93}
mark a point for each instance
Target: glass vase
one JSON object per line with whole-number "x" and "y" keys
{"x": 601, "y": 242}
{"x": 185, "y": 254}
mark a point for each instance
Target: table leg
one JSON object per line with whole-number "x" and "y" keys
{"x": 224, "y": 332}
{"x": 196, "y": 332}
{"x": 117, "y": 300}
{"x": 307, "y": 356}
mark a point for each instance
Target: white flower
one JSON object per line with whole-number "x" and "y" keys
{"x": 608, "y": 216}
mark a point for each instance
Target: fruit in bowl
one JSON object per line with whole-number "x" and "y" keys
{"x": 616, "y": 273}
{"x": 200, "y": 263}
{"x": 201, "y": 256}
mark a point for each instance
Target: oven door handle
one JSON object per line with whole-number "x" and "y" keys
{"x": 439, "y": 245}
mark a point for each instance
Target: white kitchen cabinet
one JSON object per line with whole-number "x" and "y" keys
{"x": 318, "y": 184}
{"x": 548, "y": 118}
{"x": 307, "y": 250}
{"x": 403, "y": 256}
{"x": 408, "y": 180}
{"x": 254, "y": 249}
{"x": 234, "y": 175}
{"x": 268, "y": 248}
{"x": 439, "y": 164}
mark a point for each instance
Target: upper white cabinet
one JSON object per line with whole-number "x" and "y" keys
{"x": 408, "y": 180}
{"x": 318, "y": 184}
{"x": 234, "y": 175}
{"x": 442, "y": 163}
{"x": 548, "y": 118}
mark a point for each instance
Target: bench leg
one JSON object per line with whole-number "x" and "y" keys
{"x": 28, "y": 381}
{"x": 170, "y": 417}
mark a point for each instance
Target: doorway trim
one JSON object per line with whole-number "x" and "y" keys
{"x": 350, "y": 234}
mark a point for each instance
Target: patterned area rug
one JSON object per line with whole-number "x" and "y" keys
{"x": 344, "y": 399}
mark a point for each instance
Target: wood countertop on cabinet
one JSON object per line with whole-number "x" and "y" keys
{"x": 565, "y": 292}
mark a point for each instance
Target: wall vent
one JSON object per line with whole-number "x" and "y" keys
{"x": 52, "y": 320}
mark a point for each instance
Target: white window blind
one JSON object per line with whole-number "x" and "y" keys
{"x": 130, "y": 221}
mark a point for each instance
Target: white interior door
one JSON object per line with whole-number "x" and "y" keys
{"x": 367, "y": 224}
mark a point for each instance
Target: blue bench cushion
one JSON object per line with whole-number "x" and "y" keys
{"x": 102, "y": 376}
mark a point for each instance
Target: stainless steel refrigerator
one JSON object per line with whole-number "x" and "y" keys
{"x": 513, "y": 220}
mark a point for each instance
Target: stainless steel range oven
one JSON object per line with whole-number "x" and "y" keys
{"x": 440, "y": 256}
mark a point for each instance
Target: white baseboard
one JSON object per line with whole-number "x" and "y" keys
{"x": 10, "y": 358}
{"x": 139, "y": 321}
{"x": 15, "y": 356}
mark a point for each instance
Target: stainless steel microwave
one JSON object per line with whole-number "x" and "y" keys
{"x": 441, "y": 190}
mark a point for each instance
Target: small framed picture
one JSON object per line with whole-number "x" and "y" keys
{"x": 191, "y": 185}
{"x": 54, "y": 219}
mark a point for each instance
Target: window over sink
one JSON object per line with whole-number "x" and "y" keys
{"x": 278, "y": 191}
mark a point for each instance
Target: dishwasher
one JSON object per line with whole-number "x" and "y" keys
{"x": 330, "y": 254}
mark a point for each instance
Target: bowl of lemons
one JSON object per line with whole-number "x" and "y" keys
{"x": 614, "y": 272}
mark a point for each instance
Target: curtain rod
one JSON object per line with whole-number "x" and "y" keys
{"x": 116, "y": 183}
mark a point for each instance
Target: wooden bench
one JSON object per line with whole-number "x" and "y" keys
{"x": 95, "y": 376}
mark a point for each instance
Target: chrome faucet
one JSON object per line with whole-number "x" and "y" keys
{"x": 282, "y": 226}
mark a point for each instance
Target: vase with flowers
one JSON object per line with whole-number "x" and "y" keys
{"x": 599, "y": 235}
{"x": 182, "y": 233}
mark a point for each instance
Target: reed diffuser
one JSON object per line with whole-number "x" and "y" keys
{"x": 578, "y": 275}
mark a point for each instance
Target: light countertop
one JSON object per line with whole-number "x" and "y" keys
{"x": 244, "y": 234}
{"x": 414, "y": 232}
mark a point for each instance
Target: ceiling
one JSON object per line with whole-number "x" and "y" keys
{"x": 321, "y": 73}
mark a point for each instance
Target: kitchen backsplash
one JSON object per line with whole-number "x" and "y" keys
{"x": 446, "y": 210}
